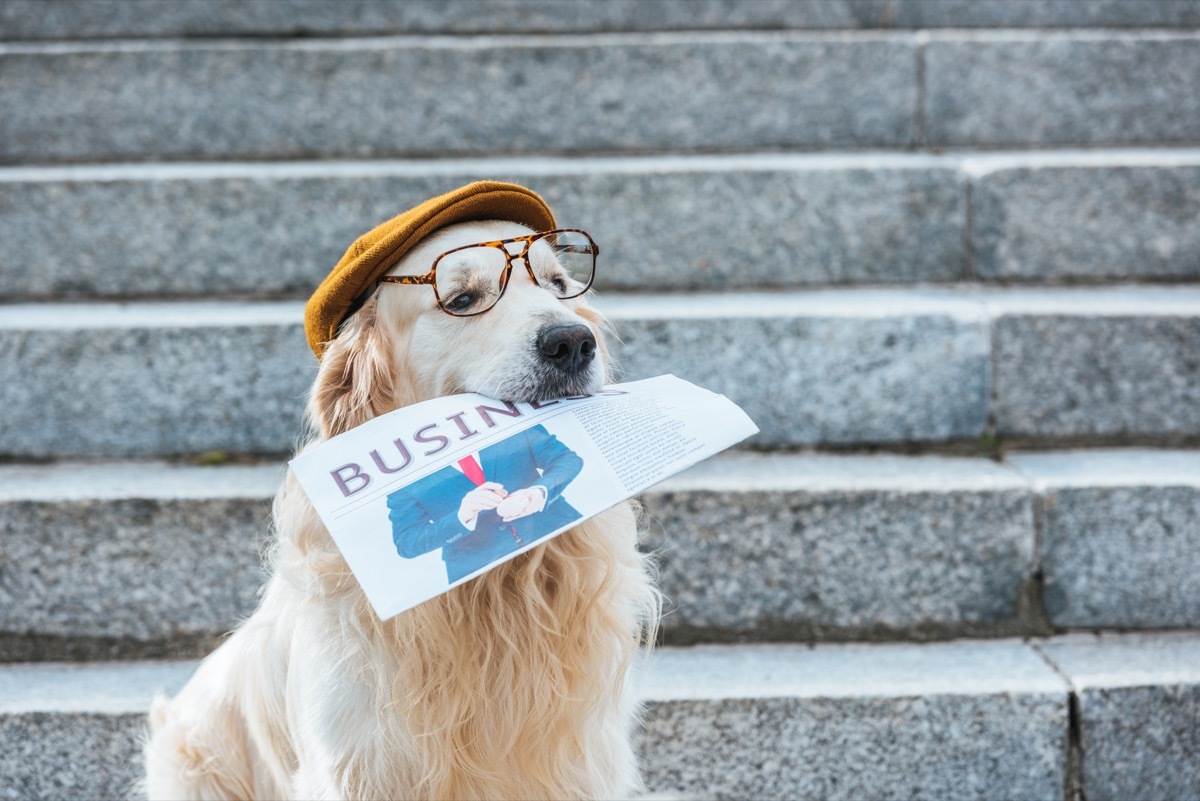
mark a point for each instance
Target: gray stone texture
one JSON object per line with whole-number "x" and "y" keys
{"x": 72, "y": 731}
{"x": 173, "y": 99}
{"x": 135, "y": 567}
{"x": 1129, "y": 372}
{"x": 947, "y": 545}
{"x": 842, "y": 367}
{"x": 954, "y": 720}
{"x": 661, "y": 223}
{"x": 1120, "y": 537}
{"x": 1061, "y": 89}
{"x": 763, "y": 723}
{"x": 920, "y": 748}
{"x": 36, "y": 19}
{"x": 150, "y": 558}
{"x": 1087, "y": 223}
{"x": 1044, "y": 13}
{"x": 824, "y": 367}
{"x": 411, "y": 97}
{"x": 67, "y": 757}
{"x": 1139, "y": 700}
{"x": 859, "y": 366}
{"x": 693, "y": 223}
{"x": 95, "y": 387}
{"x": 1141, "y": 742}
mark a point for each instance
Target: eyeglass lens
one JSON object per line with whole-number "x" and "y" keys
{"x": 469, "y": 281}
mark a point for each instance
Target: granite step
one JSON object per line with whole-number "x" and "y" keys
{"x": 1112, "y": 716}
{"x": 60, "y": 19}
{"x": 149, "y": 100}
{"x": 151, "y": 559}
{"x": 845, "y": 368}
{"x": 664, "y": 223}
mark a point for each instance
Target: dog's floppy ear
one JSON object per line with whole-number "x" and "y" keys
{"x": 356, "y": 381}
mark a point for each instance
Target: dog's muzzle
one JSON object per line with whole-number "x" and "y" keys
{"x": 568, "y": 348}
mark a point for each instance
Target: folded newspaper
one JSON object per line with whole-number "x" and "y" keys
{"x": 426, "y": 497}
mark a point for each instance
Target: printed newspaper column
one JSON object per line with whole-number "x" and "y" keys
{"x": 429, "y": 496}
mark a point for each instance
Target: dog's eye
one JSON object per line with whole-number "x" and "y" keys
{"x": 555, "y": 281}
{"x": 460, "y": 302}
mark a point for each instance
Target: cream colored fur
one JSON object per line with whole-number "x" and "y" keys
{"x": 511, "y": 686}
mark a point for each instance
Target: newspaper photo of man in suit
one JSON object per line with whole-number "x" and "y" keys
{"x": 488, "y": 504}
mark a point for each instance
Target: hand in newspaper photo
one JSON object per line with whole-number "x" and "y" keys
{"x": 487, "y": 495}
{"x": 522, "y": 503}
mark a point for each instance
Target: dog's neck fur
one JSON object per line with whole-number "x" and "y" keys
{"x": 504, "y": 683}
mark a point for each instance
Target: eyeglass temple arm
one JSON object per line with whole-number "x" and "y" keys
{"x": 405, "y": 279}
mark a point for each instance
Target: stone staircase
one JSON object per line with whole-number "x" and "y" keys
{"x": 945, "y": 253}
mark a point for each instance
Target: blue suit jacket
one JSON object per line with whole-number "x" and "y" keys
{"x": 424, "y": 514}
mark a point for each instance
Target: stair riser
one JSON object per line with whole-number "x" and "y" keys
{"x": 789, "y": 566}
{"x": 63, "y": 757}
{"x": 834, "y": 369}
{"x": 242, "y": 388}
{"x": 40, "y": 19}
{"x": 413, "y": 97}
{"x": 1101, "y": 546}
{"x": 1061, "y": 90}
{"x": 1098, "y": 377}
{"x": 859, "y": 748}
{"x": 143, "y": 572}
{"x": 823, "y": 379}
{"x": 1080, "y": 223}
{"x": 168, "y": 577}
{"x": 668, "y": 228}
{"x": 770, "y": 749}
{"x": 128, "y": 576}
{"x": 405, "y": 97}
{"x": 663, "y": 224}
{"x": 147, "y": 391}
{"x": 845, "y": 722}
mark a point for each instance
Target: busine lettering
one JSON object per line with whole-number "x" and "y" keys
{"x": 510, "y": 410}
{"x": 419, "y": 436}
{"x": 466, "y": 432}
{"x": 352, "y": 477}
{"x": 400, "y": 446}
{"x": 356, "y": 474}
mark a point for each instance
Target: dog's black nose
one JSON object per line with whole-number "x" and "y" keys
{"x": 570, "y": 348}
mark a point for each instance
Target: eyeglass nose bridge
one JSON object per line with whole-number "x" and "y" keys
{"x": 523, "y": 254}
{"x": 525, "y": 243}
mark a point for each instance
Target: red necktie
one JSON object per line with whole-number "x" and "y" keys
{"x": 471, "y": 469}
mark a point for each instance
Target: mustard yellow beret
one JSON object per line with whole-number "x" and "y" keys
{"x": 378, "y": 250}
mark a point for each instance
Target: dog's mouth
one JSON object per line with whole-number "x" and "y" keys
{"x": 562, "y": 360}
{"x": 543, "y": 384}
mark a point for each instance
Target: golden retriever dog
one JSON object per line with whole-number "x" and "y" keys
{"x": 513, "y": 685}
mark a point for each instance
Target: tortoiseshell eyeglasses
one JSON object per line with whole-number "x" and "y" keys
{"x": 471, "y": 279}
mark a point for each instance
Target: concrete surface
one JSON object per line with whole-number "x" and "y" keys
{"x": 1119, "y": 545}
{"x": 1139, "y": 701}
{"x": 722, "y": 722}
{"x": 662, "y": 223}
{"x": 778, "y": 546}
{"x": 1077, "y": 88}
{"x": 38, "y": 19}
{"x": 404, "y": 96}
